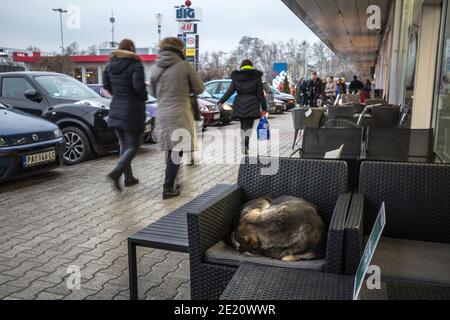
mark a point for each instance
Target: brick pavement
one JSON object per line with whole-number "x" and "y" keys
{"x": 71, "y": 217}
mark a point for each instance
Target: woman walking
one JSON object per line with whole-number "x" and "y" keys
{"x": 250, "y": 103}
{"x": 174, "y": 80}
{"x": 124, "y": 79}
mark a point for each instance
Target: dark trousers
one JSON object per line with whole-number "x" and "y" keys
{"x": 172, "y": 170}
{"x": 129, "y": 146}
{"x": 247, "y": 127}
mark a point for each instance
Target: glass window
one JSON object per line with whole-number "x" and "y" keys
{"x": 443, "y": 101}
{"x": 91, "y": 75}
{"x": 78, "y": 74}
{"x": 212, "y": 87}
{"x": 66, "y": 88}
{"x": 224, "y": 87}
{"x": 14, "y": 88}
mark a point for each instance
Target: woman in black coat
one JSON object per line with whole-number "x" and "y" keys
{"x": 250, "y": 103}
{"x": 124, "y": 79}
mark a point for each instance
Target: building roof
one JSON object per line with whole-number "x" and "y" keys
{"x": 26, "y": 58}
{"x": 342, "y": 26}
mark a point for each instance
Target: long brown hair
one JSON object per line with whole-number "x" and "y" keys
{"x": 128, "y": 45}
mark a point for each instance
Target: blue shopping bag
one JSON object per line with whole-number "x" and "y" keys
{"x": 263, "y": 129}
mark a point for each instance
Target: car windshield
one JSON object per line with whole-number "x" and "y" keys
{"x": 66, "y": 88}
{"x": 206, "y": 95}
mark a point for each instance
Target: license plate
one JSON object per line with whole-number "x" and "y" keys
{"x": 216, "y": 116}
{"x": 148, "y": 128}
{"x": 38, "y": 158}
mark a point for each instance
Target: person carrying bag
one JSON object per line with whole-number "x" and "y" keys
{"x": 250, "y": 103}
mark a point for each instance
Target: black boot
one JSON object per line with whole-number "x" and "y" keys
{"x": 170, "y": 193}
{"x": 131, "y": 183}
{"x": 115, "y": 181}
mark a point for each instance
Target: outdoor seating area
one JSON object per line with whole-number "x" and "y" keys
{"x": 413, "y": 254}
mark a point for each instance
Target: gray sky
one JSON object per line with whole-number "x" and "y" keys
{"x": 224, "y": 22}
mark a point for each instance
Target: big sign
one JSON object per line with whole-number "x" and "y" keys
{"x": 188, "y": 14}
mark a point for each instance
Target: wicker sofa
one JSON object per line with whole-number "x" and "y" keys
{"x": 416, "y": 243}
{"x": 323, "y": 183}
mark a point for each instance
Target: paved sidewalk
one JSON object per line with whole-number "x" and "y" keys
{"x": 71, "y": 217}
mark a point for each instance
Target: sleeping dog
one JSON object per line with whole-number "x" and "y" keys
{"x": 287, "y": 228}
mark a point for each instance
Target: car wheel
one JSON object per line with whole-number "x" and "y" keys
{"x": 151, "y": 136}
{"x": 77, "y": 148}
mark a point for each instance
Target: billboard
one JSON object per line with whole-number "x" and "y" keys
{"x": 188, "y": 14}
{"x": 279, "y": 73}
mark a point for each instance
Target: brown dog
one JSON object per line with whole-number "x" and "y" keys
{"x": 287, "y": 228}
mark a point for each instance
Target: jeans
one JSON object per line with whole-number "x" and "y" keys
{"x": 129, "y": 146}
{"x": 172, "y": 170}
{"x": 247, "y": 127}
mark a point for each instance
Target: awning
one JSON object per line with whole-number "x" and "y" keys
{"x": 342, "y": 26}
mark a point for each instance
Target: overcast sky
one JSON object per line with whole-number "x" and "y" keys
{"x": 32, "y": 22}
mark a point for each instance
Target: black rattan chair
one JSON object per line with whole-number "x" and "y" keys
{"x": 401, "y": 145}
{"x": 305, "y": 118}
{"x": 317, "y": 142}
{"x": 323, "y": 183}
{"x": 341, "y": 112}
{"x": 385, "y": 117}
{"x": 416, "y": 243}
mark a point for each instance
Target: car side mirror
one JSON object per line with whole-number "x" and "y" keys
{"x": 33, "y": 95}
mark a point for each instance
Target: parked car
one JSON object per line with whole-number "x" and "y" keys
{"x": 151, "y": 106}
{"x": 28, "y": 144}
{"x": 80, "y": 113}
{"x": 226, "y": 110}
{"x": 288, "y": 99}
{"x": 218, "y": 88}
{"x": 99, "y": 89}
{"x": 209, "y": 111}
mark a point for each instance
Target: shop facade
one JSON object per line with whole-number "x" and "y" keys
{"x": 407, "y": 56}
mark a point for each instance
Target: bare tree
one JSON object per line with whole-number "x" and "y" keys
{"x": 299, "y": 55}
{"x": 72, "y": 49}
{"x": 59, "y": 64}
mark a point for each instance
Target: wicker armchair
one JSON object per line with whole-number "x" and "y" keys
{"x": 323, "y": 183}
{"x": 416, "y": 242}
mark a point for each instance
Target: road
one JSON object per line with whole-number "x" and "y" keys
{"x": 72, "y": 217}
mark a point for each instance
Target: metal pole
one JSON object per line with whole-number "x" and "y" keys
{"x": 62, "y": 32}
{"x": 61, "y": 11}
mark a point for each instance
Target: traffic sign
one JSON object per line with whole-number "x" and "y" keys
{"x": 191, "y": 41}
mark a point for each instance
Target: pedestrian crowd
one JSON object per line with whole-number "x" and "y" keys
{"x": 175, "y": 84}
{"x": 317, "y": 92}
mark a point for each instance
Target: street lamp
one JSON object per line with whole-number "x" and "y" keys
{"x": 61, "y": 11}
{"x": 113, "y": 21}
{"x": 159, "y": 18}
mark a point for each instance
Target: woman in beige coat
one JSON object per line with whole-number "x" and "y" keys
{"x": 174, "y": 80}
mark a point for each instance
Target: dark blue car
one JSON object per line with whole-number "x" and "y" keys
{"x": 28, "y": 144}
